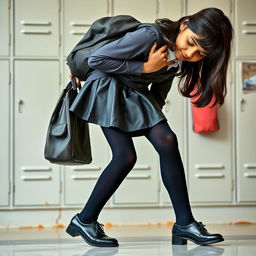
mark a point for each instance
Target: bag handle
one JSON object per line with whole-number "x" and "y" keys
{"x": 75, "y": 86}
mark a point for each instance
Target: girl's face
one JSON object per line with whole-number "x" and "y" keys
{"x": 186, "y": 47}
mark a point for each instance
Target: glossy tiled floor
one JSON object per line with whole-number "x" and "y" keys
{"x": 240, "y": 240}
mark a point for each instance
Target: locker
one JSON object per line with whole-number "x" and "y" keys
{"x": 245, "y": 20}
{"x": 171, "y": 9}
{"x": 37, "y": 31}
{"x": 4, "y": 28}
{"x": 80, "y": 180}
{"x": 134, "y": 8}
{"x": 79, "y": 15}
{"x": 210, "y": 155}
{"x": 5, "y": 132}
{"x": 245, "y": 135}
{"x": 210, "y": 160}
{"x": 195, "y": 6}
{"x": 36, "y": 92}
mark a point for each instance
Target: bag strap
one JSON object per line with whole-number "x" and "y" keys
{"x": 75, "y": 86}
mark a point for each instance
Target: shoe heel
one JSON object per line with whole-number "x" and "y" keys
{"x": 71, "y": 231}
{"x": 178, "y": 240}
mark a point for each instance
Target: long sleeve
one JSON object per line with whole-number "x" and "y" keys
{"x": 123, "y": 56}
{"x": 161, "y": 90}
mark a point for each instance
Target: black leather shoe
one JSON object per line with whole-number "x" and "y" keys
{"x": 194, "y": 232}
{"x": 92, "y": 233}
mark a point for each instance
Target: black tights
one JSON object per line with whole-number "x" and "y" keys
{"x": 124, "y": 157}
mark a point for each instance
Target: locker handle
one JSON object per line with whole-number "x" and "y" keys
{"x": 248, "y": 23}
{"x": 89, "y": 168}
{"x": 20, "y": 103}
{"x": 207, "y": 167}
{"x": 140, "y": 176}
{"x": 43, "y": 23}
{"x": 242, "y": 103}
{"x": 246, "y": 32}
{"x": 77, "y": 24}
{"x": 76, "y": 32}
{"x": 84, "y": 177}
{"x": 141, "y": 167}
{"x": 27, "y": 32}
{"x": 250, "y": 175}
{"x": 36, "y": 169}
{"x": 209, "y": 175}
{"x": 250, "y": 166}
{"x": 35, "y": 178}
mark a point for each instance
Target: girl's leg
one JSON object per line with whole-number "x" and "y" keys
{"x": 165, "y": 142}
{"x": 123, "y": 160}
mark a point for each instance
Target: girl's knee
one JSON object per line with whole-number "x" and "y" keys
{"x": 127, "y": 158}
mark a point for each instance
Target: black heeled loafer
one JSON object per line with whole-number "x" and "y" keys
{"x": 195, "y": 232}
{"x": 93, "y": 233}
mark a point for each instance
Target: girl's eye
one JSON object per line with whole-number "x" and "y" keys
{"x": 190, "y": 43}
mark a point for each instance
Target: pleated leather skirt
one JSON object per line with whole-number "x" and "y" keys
{"x": 109, "y": 103}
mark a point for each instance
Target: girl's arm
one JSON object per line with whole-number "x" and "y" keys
{"x": 122, "y": 56}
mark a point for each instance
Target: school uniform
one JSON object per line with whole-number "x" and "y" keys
{"x": 116, "y": 93}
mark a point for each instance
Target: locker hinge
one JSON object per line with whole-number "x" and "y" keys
{"x": 10, "y": 39}
{"x": 60, "y": 187}
{"x": 13, "y": 188}
{"x": 159, "y": 186}
{"x": 9, "y": 4}
{"x": 60, "y": 37}
{"x": 10, "y": 78}
{"x": 231, "y": 7}
{"x": 10, "y": 185}
{"x": 60, "y": 78}
{"x": 233, "y": 185}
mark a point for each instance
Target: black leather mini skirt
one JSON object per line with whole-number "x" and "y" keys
{"x": 110, "y": 103}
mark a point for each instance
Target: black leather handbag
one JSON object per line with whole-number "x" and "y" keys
{"x": 67, "y": 140}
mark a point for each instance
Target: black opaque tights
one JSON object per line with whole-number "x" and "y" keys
{"x": 124, "y": 157}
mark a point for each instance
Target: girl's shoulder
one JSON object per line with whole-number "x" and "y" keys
{"x": 154, "y": 29}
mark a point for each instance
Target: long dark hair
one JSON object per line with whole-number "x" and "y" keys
{"x": 207, "y": 77}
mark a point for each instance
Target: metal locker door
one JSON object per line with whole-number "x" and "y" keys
{"x": 210, "y": 160}
{"x": 4, "y": 27}
{"x": 171, "y": 9}
{"x": 4, "y": 131}
{"x": 36, "y": 92}
{"x": 246, "y": 139}
{"x": 245, "y": 28}
{"x": 136, "y": 8}
{"x": 80, "y": 180}
{"x": 195, "y": 6}
{"x": 36, "y": 28}
{"x": 79, "y": 15}
{"x": 210, "y": 155}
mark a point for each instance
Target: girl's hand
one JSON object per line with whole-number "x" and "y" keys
{"x": 157, "y": 59}
{"x": 78, "y": 82}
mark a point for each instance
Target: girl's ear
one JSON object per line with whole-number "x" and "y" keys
{"x": 183, "y": 25}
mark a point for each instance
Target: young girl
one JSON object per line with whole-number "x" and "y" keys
{"x": 125, "y": 92}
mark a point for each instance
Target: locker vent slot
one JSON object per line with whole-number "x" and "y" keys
{"x": 209, "y": 175}
{"x": 35, "y": 178}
